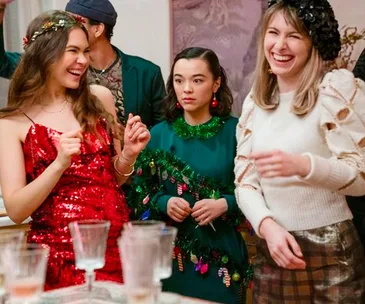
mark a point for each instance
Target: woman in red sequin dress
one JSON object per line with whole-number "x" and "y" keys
{"x": 60, "y": 154}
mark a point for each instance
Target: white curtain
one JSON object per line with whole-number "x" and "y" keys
{"x": 18, "y": 15}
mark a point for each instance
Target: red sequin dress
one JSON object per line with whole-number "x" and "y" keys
{"x": 87, "y": 190}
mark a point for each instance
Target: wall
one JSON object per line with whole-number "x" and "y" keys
{"x": 352, "y": 14}
{"x": 143, "y": 29}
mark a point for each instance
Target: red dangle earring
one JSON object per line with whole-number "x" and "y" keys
{"x": 214, "y": 102}
{"x": 178, "y": 105}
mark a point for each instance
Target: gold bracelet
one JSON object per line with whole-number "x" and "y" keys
{"x": 120, "y": 173}
{"x": 127, "y": 160}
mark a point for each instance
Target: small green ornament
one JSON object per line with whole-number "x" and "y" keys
{"x": 225, "y": 259}
{"x": 215, "y": 194}
{"x": 139, "y": 189}
{"x": 236, "y": 276}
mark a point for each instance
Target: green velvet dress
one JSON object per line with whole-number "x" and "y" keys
{"x": 207, "y": 264}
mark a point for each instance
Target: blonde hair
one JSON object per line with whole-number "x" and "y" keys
{"x": 265, "y": 92}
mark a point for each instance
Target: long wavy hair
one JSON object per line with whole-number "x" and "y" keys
{"x": 28, "y": 83}
{"x": 223, "y": 95}
{"x": 265, "y": 89}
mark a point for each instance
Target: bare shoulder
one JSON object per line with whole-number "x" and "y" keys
{"x": 101, "y": 92}
{"x": 104, "y": 95}
{"x": 15, "y": 126}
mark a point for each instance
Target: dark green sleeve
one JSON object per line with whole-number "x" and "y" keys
{"x": 8, "y": 60}
{"x": 158, "y": 94}
{"x": 161, "y": 201}
{"x": 359, "y": 70}
{"x": 231, "y": 202}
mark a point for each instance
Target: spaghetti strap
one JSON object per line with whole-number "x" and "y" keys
{"x": 27, "y": 117}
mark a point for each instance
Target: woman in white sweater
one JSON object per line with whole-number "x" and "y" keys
{"x": 301, "y": 149}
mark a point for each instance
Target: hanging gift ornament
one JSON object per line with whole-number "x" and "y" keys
{"x": 139, "y": 171}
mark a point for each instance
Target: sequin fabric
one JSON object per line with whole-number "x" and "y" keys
{"x": 87, "y": 190}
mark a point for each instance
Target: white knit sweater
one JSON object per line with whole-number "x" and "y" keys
{"x": 337, "y": 156}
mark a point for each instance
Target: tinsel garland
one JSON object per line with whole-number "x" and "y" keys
{"x": 203, "y": 131}
{"x": 195, "y": 252}
{"x": 156, "y": 166}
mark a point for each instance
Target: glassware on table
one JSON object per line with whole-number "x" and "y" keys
{"x": 139, "y": 250}
{"x": 167, "y": 242}
{"x": 89, "y": 239}
{"x": 25, "y": 272}
{"x": 12, "y": 239}
{"x": 146, "y": 224}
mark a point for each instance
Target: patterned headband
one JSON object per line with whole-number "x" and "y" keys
{"x": 54, "y": 26}
{"x": 319, "y": 19}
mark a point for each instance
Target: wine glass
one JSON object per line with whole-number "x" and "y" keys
{"x": 25, "y": 272}
{"x": 12, "y": 239}
{"x": 89, "y": 239}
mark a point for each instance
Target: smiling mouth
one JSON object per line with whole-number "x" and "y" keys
{"x": 75, "y": 72}
{"x": 282, "y": 58}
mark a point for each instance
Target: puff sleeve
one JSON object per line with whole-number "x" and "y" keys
{"x": 248, "y": 190}
{"x": 342, "y": 121}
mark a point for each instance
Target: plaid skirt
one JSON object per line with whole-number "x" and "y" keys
{"x": 335, "y": 271}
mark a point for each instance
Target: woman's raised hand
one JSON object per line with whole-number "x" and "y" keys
{"x": 69, "y": 144}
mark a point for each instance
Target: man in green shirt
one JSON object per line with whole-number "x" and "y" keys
{"x": 136, "y": 83}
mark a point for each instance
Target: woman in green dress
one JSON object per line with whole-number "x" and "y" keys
{"x": 185, "y": 177}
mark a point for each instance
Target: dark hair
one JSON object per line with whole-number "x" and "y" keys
{"x": 223, "y": 95}
{"x": 27, "y": 85}
{"x": 108, "y": 28}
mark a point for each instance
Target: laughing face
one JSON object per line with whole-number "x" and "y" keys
{"x": 286, "y": 49}
{"x": 67, "y": 71}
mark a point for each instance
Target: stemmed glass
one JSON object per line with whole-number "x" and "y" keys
{"x": 89, "y": 242}
{"x": 12, "y": 239}
{"x": 25, "y": 272}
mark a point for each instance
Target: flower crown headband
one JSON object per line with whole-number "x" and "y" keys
{"x": 54, "y": 26}
{"x": 319, "y": 18}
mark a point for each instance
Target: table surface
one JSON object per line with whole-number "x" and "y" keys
{"x": 105, "y": 292}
